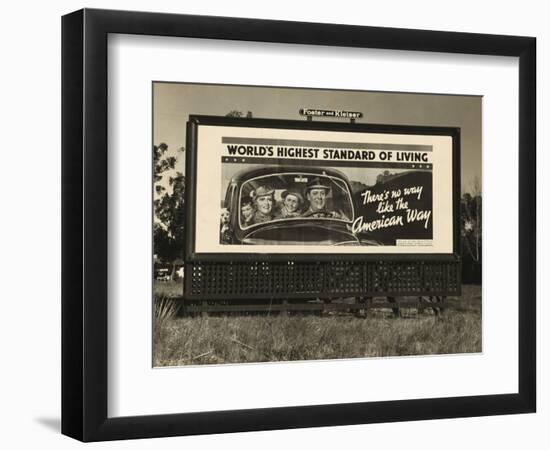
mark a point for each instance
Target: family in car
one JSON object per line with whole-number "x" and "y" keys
{"x": 262, "y": 206}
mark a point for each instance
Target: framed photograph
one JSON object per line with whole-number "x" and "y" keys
{"x": 343, "y": 214}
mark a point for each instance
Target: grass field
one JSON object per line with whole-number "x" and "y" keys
{"x": 170, "y": 289}
{"x": 259, "y": 338}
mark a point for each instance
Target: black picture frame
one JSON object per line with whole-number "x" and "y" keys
{"x": 84, "y": 224}
{"x": 191, "y": 169}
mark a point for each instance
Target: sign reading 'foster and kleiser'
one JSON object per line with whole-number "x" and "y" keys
{"x": 312, "y": 112}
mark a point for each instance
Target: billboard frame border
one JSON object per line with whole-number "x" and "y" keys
{"x": 195, "y": 121}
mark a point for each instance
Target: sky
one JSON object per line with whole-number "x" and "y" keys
{"x": 174, "y": 102}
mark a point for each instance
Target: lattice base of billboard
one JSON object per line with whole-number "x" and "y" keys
{"x": 323, "y": 280}
{"x": 361, "y": 306}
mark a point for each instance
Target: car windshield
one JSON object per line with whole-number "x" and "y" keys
{"x": 291, "y": 196}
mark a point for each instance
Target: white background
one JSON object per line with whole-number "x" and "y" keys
{"x": 30, "y": 238}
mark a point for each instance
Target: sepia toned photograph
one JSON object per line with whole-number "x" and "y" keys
{"x": 298, "y": 224}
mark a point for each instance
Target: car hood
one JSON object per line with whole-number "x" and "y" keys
{"x": 301, "y": 233}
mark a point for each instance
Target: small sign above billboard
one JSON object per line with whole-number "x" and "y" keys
{"x": 335, "y": 113}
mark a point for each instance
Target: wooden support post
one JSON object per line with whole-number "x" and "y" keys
{"x": 363, "y": 312}
{"x": 442, "y": 299}
{"x": 183, "y": 308}
{"x": 396, "y": 312}
{"x": 436, "y": 300}
{"x": 284, "y": 311}
{"x": 325, "y": 312}
{"x": 420, "y": 308}
{"x": 369, "y": 305}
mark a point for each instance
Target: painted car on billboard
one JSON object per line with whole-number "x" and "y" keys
{"x": 290, "y": 206}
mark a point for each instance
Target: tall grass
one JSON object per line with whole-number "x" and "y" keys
{"x": 214, "y": 340}
{"x": 261, "y": 338}
{"x": 165, "y": 311}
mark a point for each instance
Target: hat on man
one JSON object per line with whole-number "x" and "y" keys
{"x": 317, "y": 183}
{"x": 299, "y": 196}
{"x": 262, "y": 191}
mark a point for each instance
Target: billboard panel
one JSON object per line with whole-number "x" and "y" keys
{"x": 287, "y": 189}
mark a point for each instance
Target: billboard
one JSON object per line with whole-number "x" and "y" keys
{"x": 287, "y": 189}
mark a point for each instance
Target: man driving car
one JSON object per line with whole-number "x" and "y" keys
{"x": 317, "y": 192}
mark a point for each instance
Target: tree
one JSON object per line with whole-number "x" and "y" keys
{"x": 470, "y": 231}
{"x": 169, "y": 203}
{"x": 471, "y": 225}
{"x": 385, "y": 176}
{"x": 236, "y": 113}
{"x": 169, "y": 206}
{"x": 162, "y": 163}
